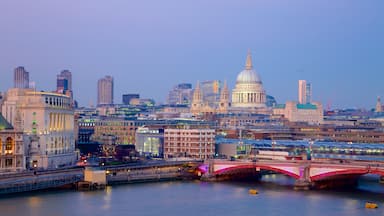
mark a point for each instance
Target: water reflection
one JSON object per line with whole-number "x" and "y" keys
{"x": 276, "y": 197}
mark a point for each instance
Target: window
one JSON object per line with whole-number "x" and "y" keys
{"x": 9, "y": 144}
{"x": 8, "y": 162}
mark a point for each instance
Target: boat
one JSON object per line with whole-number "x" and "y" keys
{"x": 253, "y": 191}
{"x": 371, "y": 205}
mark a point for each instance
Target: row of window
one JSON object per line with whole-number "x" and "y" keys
{"x": 56, "y": 101}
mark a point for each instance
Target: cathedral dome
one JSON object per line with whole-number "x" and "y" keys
{"x": 249, "y": 91}
{"x": 248, "y": 75}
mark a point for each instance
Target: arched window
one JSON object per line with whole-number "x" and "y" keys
{"x": 9, "y": 144}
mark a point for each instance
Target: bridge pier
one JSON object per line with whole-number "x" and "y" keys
{"x": 381, "y": 180}
{"x": 302, "y": 184}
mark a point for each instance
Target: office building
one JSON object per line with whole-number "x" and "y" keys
{"x": 123, "y": 130}
{"x": 128, "y": 97}
{"x": 311, "y": 113}
{"x": 189, "y": 142}
{"x": 150, "y": 141}
{"x": 211, "y": 92}
{"x": 181, "y": 94}
{"x": 64, "y": 83}
{"x": 21, "y": 78}
{"x": 105, "y": 91}
{"x": 305, "y": 92}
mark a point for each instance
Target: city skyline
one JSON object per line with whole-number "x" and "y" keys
{"x": 336, "y": 47}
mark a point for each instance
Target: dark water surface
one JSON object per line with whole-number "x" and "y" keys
{"x": 276, "y": 197}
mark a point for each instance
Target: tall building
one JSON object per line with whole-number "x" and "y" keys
{"x": 379, "y": 107}
{"x": 105, "y": 91}
{"x": 180, "y": 94}
{"x": 249, "y": 91}
{"x": 64, "y": 82}
{"x": 21, "y": 78}
{"x": 128, "y": 97}
{"x": 305, "y": 92}
{"x": 211, "y": 92}
{"x": 48, "y": 119}
{"x": 308, "y": 93}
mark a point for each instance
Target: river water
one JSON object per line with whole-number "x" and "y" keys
{"x": 276, "y": 197}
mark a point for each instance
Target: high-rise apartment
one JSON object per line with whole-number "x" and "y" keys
{"x": 105, "y": 91}
{"x": 305, "y": 92}
{"x": 21, "y": 78}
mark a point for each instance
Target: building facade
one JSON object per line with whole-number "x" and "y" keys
{"x": 189, "y": 142}
{"x": 21, "y": 78}
{"x": 124, "y": 130}
{"x": 12, "y": 148}
{"x": 105, "y": 91}
{"x": 150, "y": 141}
{"x": 305, "y": 92}
{"x": 201, "y": 106}
{"x": 48, "y": 119}
{"x": 295, "y": 112}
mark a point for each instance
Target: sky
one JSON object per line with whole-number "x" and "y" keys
{"x": 149, "y": 46}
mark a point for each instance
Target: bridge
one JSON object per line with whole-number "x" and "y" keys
{"x": 308, "y": 173}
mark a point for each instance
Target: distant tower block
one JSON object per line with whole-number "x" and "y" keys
{"x": 21, "y": 78}
{"x": 379, "y": 107}
{"x": 105, "y": 91}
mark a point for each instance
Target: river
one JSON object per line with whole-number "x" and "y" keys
{"x": 276, "y": 197}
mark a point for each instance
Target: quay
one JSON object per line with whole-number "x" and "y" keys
{"x": 37, "y": 180}
{"x": 90, "y": 178}
{"x": 309, "y": 174}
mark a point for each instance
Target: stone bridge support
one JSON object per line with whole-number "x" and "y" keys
{"x": 304, "y": 182}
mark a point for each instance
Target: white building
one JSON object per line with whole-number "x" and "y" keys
{"x": 48, "y": 119}
{"x": 305, "y": 92}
